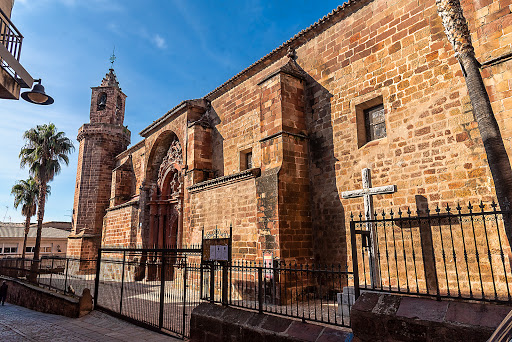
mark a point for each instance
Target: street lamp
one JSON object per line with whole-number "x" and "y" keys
{"x": 37, "y": 95}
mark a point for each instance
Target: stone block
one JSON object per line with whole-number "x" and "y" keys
{"x": 423, "y": 319}
{"x": 259, "y": 327}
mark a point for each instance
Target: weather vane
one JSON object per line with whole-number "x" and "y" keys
{"x": 113, "y": 58}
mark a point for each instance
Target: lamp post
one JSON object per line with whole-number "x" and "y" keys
{"x": 37, "y": 95}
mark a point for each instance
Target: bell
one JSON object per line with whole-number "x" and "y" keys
{"x": 103, "y": 101}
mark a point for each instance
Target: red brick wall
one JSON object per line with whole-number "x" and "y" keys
{"x": 136, "y": 153}
{"x": 220, "y": 207}
{"x": 432, "y": 148}
{"x": 396, "y": 51}
{"x": 99, "y": 144}
{"x": 121, "y": 228}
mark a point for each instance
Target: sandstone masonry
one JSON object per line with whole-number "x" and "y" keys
{"x": 298, "y": 118}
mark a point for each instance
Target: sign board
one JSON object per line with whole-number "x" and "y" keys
{"x": 216, "y": 249}
{"x": 219, "y": 253}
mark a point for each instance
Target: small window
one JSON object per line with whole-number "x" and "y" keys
{"x": 375, "y": 123}
{"x": 46, "y": 249}
{"x": 246, "y": 160}
{"x": 371, "y": 121}
{"x": 10, "y": 250}
{"x": 29, "y": 249}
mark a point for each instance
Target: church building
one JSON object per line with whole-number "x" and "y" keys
{"x": 372, "y": 85}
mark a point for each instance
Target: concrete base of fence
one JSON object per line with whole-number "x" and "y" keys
{"x": 35, "y": 298}
{"x": 386, "y": 317}
{"x": 215, "y": 323}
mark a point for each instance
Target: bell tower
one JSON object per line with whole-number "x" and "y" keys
{"x": 101, "y": 141}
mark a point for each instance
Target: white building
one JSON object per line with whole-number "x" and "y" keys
{"x": 53, "y": 239}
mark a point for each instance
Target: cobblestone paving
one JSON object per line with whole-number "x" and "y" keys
{"x": 20, "y": 324}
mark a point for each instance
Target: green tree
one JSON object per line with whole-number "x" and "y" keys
{"x": 44, "y": 151}
{"x": 457, "y": 31}
{"x": 25, "y": 194}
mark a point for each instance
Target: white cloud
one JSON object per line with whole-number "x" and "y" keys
{"x": 159, "y": 41}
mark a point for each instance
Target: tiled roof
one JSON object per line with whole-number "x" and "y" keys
{"x": 295, "y": 41}
{"x": 17, "y": 230}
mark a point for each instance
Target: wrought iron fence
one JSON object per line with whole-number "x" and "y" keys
{"x": 322, "y": 294}
{"x": 451, "y": 252}
{"x": 159, "y": 288}
{"x": 66, "y": 275}
{"x": 156, "y": 288}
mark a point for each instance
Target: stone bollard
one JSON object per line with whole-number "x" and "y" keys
{"x": 85, "y": 303}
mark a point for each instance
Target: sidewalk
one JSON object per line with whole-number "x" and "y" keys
{"x": 20, "y": 324}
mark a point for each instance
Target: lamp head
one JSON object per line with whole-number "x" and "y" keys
{"x": 37, "y": 95}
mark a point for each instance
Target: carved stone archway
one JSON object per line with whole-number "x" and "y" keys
{"x": 166, "y": 200}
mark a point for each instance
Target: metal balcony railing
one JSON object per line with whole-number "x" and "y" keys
{"x": 10, "y": 36}
{"x": 10, "y": 50}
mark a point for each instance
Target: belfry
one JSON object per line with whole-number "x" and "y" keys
{"x": 101, "y": 141}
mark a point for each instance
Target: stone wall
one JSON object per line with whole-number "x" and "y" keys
{"x": 123, "y": 228}
{"x": 136, "y": 153}
{"x": 301, "y": 115}
{"x": 232, "y": 204}
{"x": 396, "y": 51}
{"x": 212, "y": 323}
{"x": 99, "y": 144}
{"x": 382, "y": 317}
{"x": 42, "y": 300}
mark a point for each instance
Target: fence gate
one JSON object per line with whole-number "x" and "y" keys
{"x": 155, "y": 288}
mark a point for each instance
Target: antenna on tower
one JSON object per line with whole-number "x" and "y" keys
{"x": 113, "y": 58}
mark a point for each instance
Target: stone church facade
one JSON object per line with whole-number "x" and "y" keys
{"x": 374, "y": 84}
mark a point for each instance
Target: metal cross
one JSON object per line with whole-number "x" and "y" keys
{"x": 113, "y": 58}
{"x": 367, "y": 192}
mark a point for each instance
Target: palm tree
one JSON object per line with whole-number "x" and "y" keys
{"x": 25, "y": 194}
{"x": 44, "y": 151}
{"x": 457, "y": 31}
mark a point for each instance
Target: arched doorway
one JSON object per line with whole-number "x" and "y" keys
{"x": 165, "y": 200}
{"x": 165, "y": 203}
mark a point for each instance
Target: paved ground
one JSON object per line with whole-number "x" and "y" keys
{"x": 20, "y": 324}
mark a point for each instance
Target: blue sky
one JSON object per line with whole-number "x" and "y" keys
{"x": 167, "y": 51}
